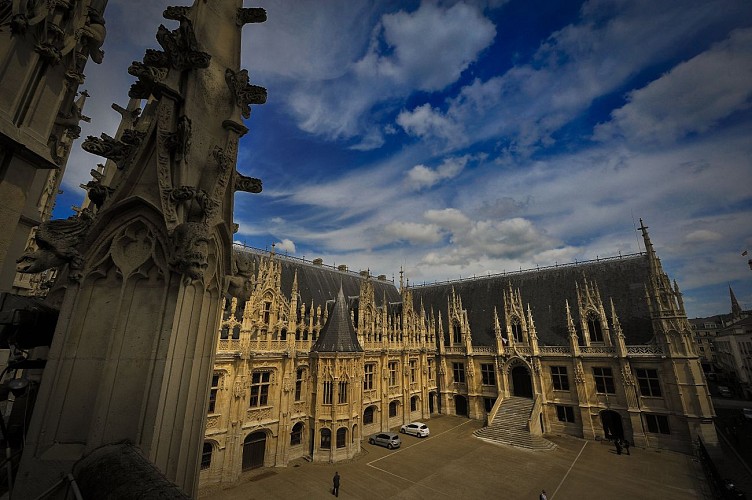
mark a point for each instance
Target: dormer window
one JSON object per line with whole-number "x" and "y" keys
{"x": 516, "y": 329}
{"x": 594, "y": 328}
{"x": 457, "y": 334}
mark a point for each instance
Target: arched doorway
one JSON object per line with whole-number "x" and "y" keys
{"x": 612, "y": 426}
{"x": 254, "y": 447}
{"x": 460, "y": 406}
{"x": 522, "y": 385}
{"x": 431, "y": 402}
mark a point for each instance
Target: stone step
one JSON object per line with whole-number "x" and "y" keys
{"x": 510, "y": 427}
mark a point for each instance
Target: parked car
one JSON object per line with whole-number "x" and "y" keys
{"x": 389, "y": 439}
{"x": 416, "y": 429}
{"x": 724, "y": 391}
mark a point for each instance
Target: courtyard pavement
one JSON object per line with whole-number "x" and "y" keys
{"x": 451, "y": 463}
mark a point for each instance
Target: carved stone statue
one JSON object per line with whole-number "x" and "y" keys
{"x": 57, "y": 241}
{"x": 240, "y": 285}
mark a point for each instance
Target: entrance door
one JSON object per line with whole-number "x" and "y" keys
{"x": 254, "y": 447}
{"x": 612, "y": 426}
{"x": 460, "y": 406}
{"x": 431, "y": 396}
{"x": 522, "y": 386}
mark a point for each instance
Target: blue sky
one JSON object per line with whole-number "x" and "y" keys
{"x": 463, "y": 138}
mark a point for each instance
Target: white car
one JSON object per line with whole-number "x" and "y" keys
{"x": 416, "y": 429}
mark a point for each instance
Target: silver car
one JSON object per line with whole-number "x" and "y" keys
{"x": 388, "y": 439}
{"x": 416, "y": 429}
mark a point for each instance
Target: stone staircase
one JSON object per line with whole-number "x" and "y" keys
{"x": 510, "y": 426}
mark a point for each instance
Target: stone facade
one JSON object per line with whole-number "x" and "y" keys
{"x": 429, "y": 351}
{"x": 316, "y": 404}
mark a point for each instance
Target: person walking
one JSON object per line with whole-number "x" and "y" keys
{"x": 618, "y": 446}
{"x": 543, "y": 495}
{"x": 335, "y": 480}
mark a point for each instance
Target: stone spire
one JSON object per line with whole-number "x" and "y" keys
{"x": 736, "y": 310}
{"x": 338, "y": 334}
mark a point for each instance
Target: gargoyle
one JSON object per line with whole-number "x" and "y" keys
{"x": 247, "y": 184}
{"x": 57, "y": 241}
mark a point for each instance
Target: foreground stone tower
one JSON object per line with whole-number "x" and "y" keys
{"x": 133, "y": 349}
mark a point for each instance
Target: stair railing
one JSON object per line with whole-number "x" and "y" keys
{"x": 494, "y": 410}
{"x": 532, "y": 420}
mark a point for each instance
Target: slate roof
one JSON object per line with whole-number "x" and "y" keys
{"x": 546, "y": 291}
{"x": 338, "y": 334}
{"x": 320, "y": 283}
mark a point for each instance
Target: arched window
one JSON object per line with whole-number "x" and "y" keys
{"x": 326, "y": 439}
{"x": 236, "y": 332}
{"x": 296, "y": 436}
{"x": 368, "y": 415}
{"x": 283, "y": 334}
{"x": 341, "y": 437}
{"x": 594, "y": 328}
{"x": 457, "y": 334}
{"x": 225, "y": 332}
{"x": 414, "y": 403}
{"x": 516, "y": 329}
{"x": 206, "y": 455}
{"x": 393, "y": 408}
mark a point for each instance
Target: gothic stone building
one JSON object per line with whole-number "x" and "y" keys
{"x": 317, "y": 359}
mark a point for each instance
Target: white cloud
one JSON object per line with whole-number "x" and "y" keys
{"x": 426, "y": 49}
{"x": 286, "y": 245}
{"x": 691, "y": 98}
{"x": 450, "y": 218}
{"x": 525, "y": 106}
{"x": 420, "y": 176}
{"x": 702, "y": 236}
{"x": 426, "y": 122}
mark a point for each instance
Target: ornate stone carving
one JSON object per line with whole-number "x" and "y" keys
{"x": 132, "y": 248}
{"x": 247, "y": 184}
{"x": 132, "y": 137}
{"x": 179, "y": 142}
{"x": 56, "y": 241}
{"x": 148, "y": 78}
{"x": 108, "y": 147}
{"x": 212, "y": 422}
{"x": 240, "y": 285}
{"x": 92, "y": 36}
{"x": 245, "y": 94}
{"x": 49, "y": 52}
{"x": 181, "y": 50}
{"x": 251, "y": 15}
{"x": 176, "y": 13}
{"x": 96, "y": 191}
{"x": 190, "y": 249}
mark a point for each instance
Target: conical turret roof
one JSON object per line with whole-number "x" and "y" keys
{"x": 338, "y": 334}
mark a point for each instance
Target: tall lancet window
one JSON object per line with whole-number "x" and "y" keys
{"x": 516, "y": 329}
{"x": 457, "y": 334}
{"x": 594, "y": 327}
